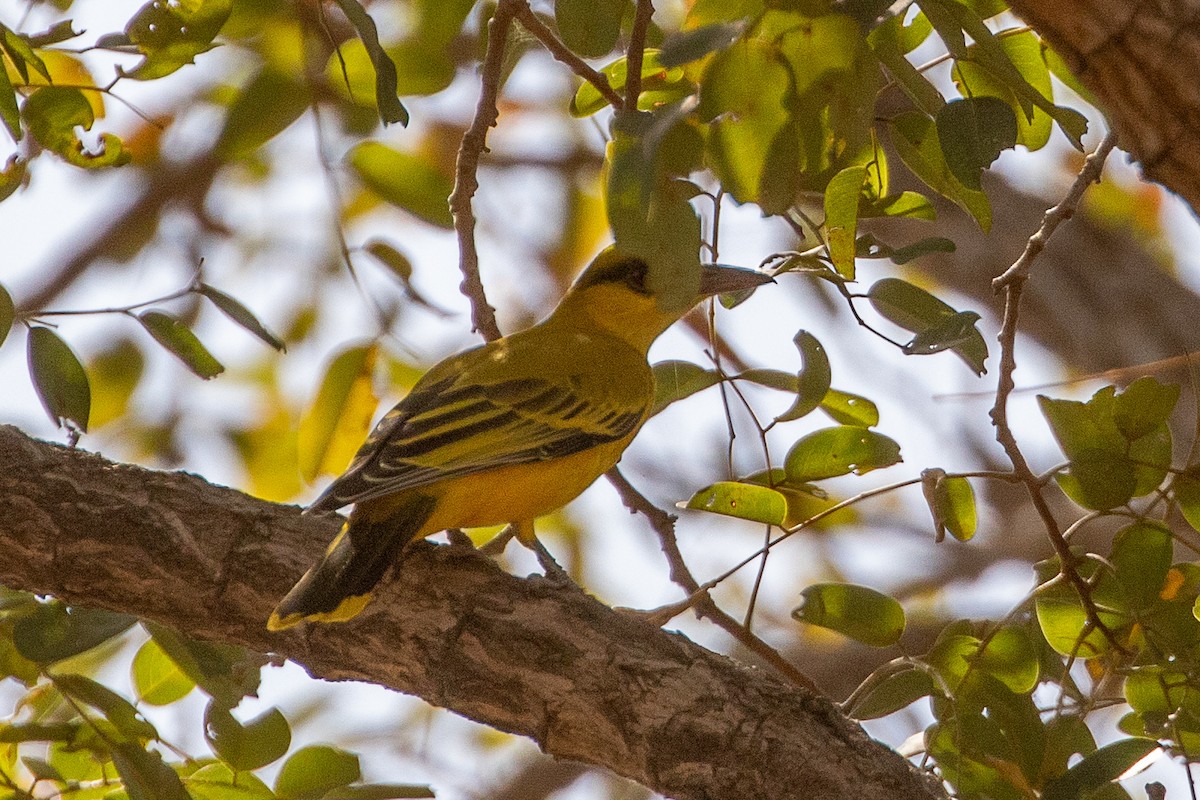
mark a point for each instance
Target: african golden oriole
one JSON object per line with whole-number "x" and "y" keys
{"x": 500, "y": 433}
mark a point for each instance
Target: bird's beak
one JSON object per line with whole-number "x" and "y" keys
{"x": 719, "y": 279}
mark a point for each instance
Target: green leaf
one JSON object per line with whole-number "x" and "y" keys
{"x": 687, "y": 46}
{"x": 845, "y": 408}
{"x": 812, "y": 384}
{"x": 590, "y": 27}
{"x": 819, "y": 48}
{"x": 973, "y": 132}
{"x": 145, "y": 775}
{"x": 10, "y": 112}
{"x": 841, "y": 217}
{"x": 171, "y": 34}
{"x": 179, "y": 340}
{"x": 219, "y": 782}
{"x": 845, "y": 449}
{"x": 931, "y": 244}
{"x": 1144, "y": 406}
{"x": 157, "y": 679}
{"x": 1187, "y": 494}
{"x": 937, "y": 326}
{"x": 116, "y": 709}
{"x": 895, "y": 692}
{"x": 915, "y": 137}
{"x": 52, "y": 113}
{"x": 312, "y": 771}
{"x": 1025, "y": 52}
{"x": 40, "y": 770}
{"x": 951, "y": 502}
{"x": 1141, "y": 557}
{"x": 249, "y": 746}
{"x": 660, "y": 85}
{"x": 906, "y": 205}
{"x": 12, "y": 175}
{"x": 744, "y": 93}
{"x": 859, "y": 612}
{"x": 1109, "y": 763}
{"x": 390, "y": 107}
{"x": 675, "y": 380}
{"x": 265, "y": 107}
{"x": 59, "y": 379}
{"x": 404, "y": 180}
{"x": 889, "y": 42}
{"x": 1011, "y": 657}
{"x": 115, "y": 373}
{"x": 951, "y": 657}
{"x": 225, "y": 672}
{"x": 1063, "y": 620}
{"x": 742, "y": 500}
{"x": 241, "y": 315}
{"x": 336, "y": 424}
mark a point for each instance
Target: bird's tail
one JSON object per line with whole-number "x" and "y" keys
{"x": 340, "y": 585}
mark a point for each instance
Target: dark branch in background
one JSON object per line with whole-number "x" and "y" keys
{"x": 526, "y": 656}
{"x": 1012, "y": 283}
{"x": 466, "y": 181}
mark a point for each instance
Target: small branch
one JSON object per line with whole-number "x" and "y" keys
{"x": 530, "y": 22}
{"x": 1012, "y": 283}
{"x": 705, "y": 607}
{"x": 637, "y": 49}
{"x": 1058, "y": 214}
{"x": 466, "y": 181}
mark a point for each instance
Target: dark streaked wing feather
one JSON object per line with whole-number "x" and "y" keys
{"x": 444, "y": 430}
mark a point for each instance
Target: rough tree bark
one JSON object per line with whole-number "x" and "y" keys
{"x": 1140, "y": 59}
{"x": 523, "y": 655}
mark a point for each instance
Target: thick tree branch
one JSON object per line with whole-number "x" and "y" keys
{"x": 1139, "y": 59}
{"x": 522, "y": 655}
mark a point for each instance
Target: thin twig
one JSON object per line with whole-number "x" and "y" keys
{"x": 466, "y": 181}
{"x": 637, "y": 49}
{"x": 530, "y": 22}
{"x": 663, "y": 524}
{"x": 1012, "y": 283}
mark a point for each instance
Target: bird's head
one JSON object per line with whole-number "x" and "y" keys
{"x": 622, "y": 294}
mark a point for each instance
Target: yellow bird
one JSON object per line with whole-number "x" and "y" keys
{"x": 500, "y": 433}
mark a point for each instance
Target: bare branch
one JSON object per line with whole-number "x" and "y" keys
{"x": 530, "y": 22}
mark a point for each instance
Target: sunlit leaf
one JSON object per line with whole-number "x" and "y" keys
{"x": 219, "y": 782}
{"x": 171, "y": 33}
{"x": 390, "y": 107}
{"x": 916, "y": 139}
{"x": 115, "y": 374}
{"x": 906, "y": 205}
{"x": 312, "y": 771}
{"x": 675, "y": 380}
{"x": 951, "y": 502}
{"x": 845, "y": 408}
{"x": 659, "y": 84}
{"x": 841, "y": 217}
{"x": 1025, "y": 52}
{"x": 404, "y": 180}
{"x": 1143, "y": 406}
{"x": 179, "y": 340}
{"x": 743, "y": 500}
{"x": 10, "y": 112}
{"x": 1141, "y": 557}
{"x": 156, "y": 678}
{"x": 241, "y": 315}
{"x": 250, "y": 745}
{"x": 845, "y": 449}
{"x": 858, "y": 612}
{"x": 889, "y": 42}
{"x": 59, "y": 379}
{"x": 12, "y": 175}
{"x": 337, "y": 422}
{"x": 225, "y": 672}
{"x": 1011, "y": 657}
{"x": 1063, "y": 620}
{"x": 52, "y": 113}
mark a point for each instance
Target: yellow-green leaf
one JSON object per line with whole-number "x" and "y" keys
{"x": 313, "y": 771}
{"x": 404, "y": 180}
{"x": 179, "y": 340}
{"x": 157, "y": 679}
{"x": 859, "y": 612}
{"x": 743, "y": 500}
{"x": 336, "y": 423}
{"x": 241, "y": 315}
{"x": 841, "y": 217}
{"x": 831, "y": 452}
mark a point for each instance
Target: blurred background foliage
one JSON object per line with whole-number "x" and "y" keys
{"x": 255, "y": 192}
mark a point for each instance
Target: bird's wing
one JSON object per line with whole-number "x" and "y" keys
{"x": 453, "y": 427}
